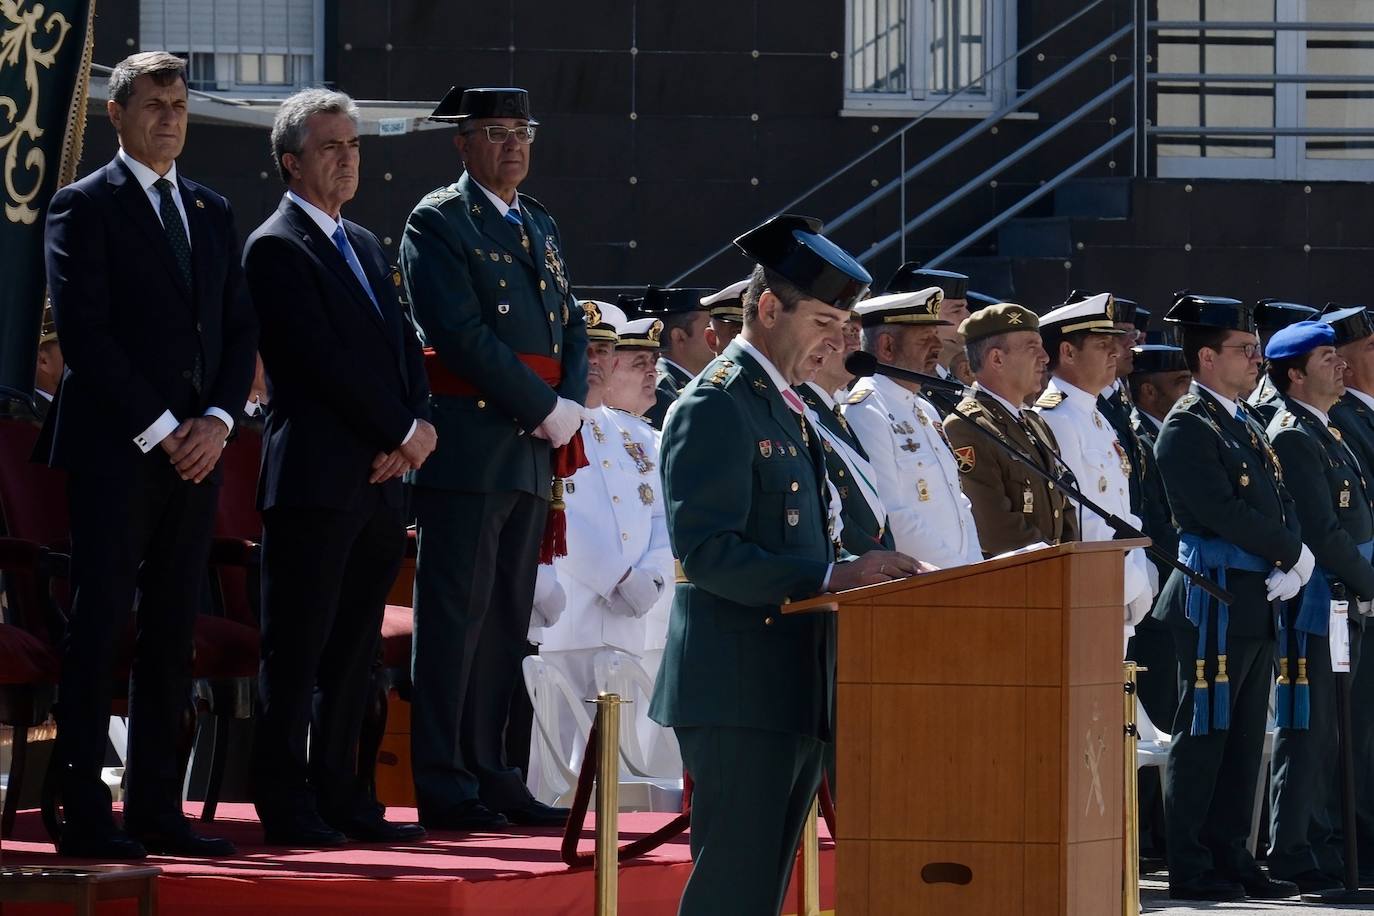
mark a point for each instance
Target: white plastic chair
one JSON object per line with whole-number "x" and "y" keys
{"x": 653, "y": 753}
{"x": 550, "y": 693}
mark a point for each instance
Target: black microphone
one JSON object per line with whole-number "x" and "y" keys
{"x": 863, "y": 364}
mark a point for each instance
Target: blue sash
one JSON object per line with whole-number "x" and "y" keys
{"x": 1211, "y": 557}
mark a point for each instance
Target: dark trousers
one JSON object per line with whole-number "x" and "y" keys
{"x": 1209, "y": 787}
{"x": 474, "y": 588}
{"x": 325, "y": 577}
{"x": 149, "y": 537}
{"x": 1304, "y": 796}
{"x": 1362, "y": 740}
{"x": 752, "y": 790}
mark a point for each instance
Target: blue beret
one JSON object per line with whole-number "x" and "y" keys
{"x": 1299, "y": 338}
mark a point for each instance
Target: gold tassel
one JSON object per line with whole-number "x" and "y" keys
{"x": 1283, "y": 672}
{"x": 1221, "y": 677}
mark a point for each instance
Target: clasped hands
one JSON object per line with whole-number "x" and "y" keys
{"x": 408, "y": 457}
{"x": 1284, "y": 585}
{"x": 194, "y": 446}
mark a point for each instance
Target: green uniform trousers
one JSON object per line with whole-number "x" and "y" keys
{"x": 752, "y": 790}
{"x": 1210, "y": 784}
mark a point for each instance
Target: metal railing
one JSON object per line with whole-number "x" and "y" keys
{"x": 1140, "y": 129}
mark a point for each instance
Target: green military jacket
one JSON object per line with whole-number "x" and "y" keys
{"x": 1265, "y": 398}
{"x": 480, "y": 300}
{"x": 748, "y": 518}
{"x": 1331, "y": 491}
{"x": 1012, "y": 506}
{"x": 862, "y": 531}
{"x": 670, "y": 380}
{"x": 1155, "y": 516}
{"x": 1224, "y": 481}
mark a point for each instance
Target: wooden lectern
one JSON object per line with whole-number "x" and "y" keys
{"x": 979, "y": 719}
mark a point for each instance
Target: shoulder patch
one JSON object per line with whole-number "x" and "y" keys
{"x": 966, "y": 458}
{"x": 857, "y": 397}
{"x": 440, "y": 195}
{"x": 1050, "y": 400}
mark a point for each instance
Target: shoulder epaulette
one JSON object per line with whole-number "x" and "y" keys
{"x": 1187, "y": 401}
{"x": 970, "y": 406}
{"x": 440, "y": 195}
{"x": 1050, "y": 400}
{"x": 722, "y": 372}
{"x": 857, "y": 397}
{"x": 1286, "y": 419}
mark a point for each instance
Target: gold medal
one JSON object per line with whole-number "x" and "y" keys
{"x": 1102, "y": 485}
{"x": 646, "y": 494}
{"x": 1345, "y": 495}
{"x": 1027, "y": 500}
{"x": 922, "y": 491}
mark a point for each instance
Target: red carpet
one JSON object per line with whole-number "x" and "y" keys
{"x": 448, "y": 873}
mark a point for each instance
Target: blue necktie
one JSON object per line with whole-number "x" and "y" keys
{"x": 351, "y": 259}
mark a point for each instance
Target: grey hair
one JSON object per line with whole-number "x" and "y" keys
{"x": 872, "y": 334}
{"x": 288, "y": 127}
{"x": 978, "y": 350}
{"x": 160, "y": 65}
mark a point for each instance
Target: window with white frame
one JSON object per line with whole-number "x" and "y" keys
{"x": 910, "y": 55}
{"x": 264, "y": 47}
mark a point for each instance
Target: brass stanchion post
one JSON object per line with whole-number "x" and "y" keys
{"x": 809, "y": 882}
{"x": 1130, "y": 845}
{"x": 608, "y": 804}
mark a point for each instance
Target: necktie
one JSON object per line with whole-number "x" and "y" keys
{"x": 351, "y": 259}
{"x": 515, "y": 219}
{"x": 181, "y": 250}
{"x": 174, "y": 228}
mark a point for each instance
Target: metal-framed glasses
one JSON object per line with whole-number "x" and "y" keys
{"x": 1251, "y": 350}
{"x": 499, "y": 133}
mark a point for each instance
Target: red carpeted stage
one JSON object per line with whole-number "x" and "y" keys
{"x": 446, "y": 874}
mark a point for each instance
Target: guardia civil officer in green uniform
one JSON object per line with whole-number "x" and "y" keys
{"x": 749, "y": 690}
{"x": 506, "y": 354}
{"x": 1353, "y": 415}
{"x": 1329, "y": 487}
{"x": 846, "y": 462}
{"x": 1272, "y": 316}
{"x": 1238, "y": 527}
{"x": 686, "y": 346}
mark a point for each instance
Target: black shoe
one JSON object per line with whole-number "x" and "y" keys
{"x": 176, "y": 838}
{"x": 1314, "y": 882}
{"x": 535, "y": 813}
{"x": 378, "y": 830}
{"x": 1207, "y": 887}
{"x": 470, "y": 815}
{"x": 1260, "y": 886}
{"x": 301, "y": 830}
{"x": 110, "y": 843}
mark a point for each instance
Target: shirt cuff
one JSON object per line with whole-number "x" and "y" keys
{"x": 162, "y": 427}
{"x": 414, "y": 425}
{"x": 221, "y": 415}
{"x": 825, "y": 583}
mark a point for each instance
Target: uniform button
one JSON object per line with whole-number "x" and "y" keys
{"x": 1051, "y": 486}
{"x": 186, "y": 373}
{"x": 543, "y": 285}
{"x": 199, "y": 329}
{"x": 615, "y": 499}
{"x": 794, "y": 486}
{"x": 501, "y": 282}
{"x": 624, "y": 535}
{"x": 768, "y": 621}
{"x": 605, "y": 463}
{"x": 1056, "y": 513}
{"x": 551, "y": 316}
{"x": 555, "y": 348}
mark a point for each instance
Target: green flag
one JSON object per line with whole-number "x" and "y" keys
{"x": 44, "y": 69}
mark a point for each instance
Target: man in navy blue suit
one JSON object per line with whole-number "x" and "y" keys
{"x": 159, "y": 339}
{"x": 347, "y": 415}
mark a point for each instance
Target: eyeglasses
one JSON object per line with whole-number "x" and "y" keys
{"x": 1251, "y": 350}
{"x": 497, "y": 133}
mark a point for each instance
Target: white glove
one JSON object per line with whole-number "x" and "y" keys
{"x": 1152, "y": 573}
{"x": 1306, "y": 563}
{"x": 1283, "y": 585}
{"x": 636, "y": 594}
{"x": 1139, "y": 608}
{"x": 562, "y": 423}
{"x": 1364, "y": 608}
{"x": 549, "y": 598}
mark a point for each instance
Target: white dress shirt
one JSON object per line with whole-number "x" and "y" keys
{"x": 166, "y": 424}
{"x": 928, "y": 514}
{"x": 502, "y": 208}
{"x": 1100, "y": 464}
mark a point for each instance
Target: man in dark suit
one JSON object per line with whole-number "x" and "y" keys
{"x": 508, "y": 373}
{"x": 158, "y": 338}
{"x": 347, "y": 417}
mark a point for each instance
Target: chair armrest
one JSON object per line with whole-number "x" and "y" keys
{"x": 235, "y": 552}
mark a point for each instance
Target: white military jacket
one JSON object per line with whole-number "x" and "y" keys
{"x": 928, "y": 514}
{"x": 616, "y": 522}
{"x": 1102, "y": 467}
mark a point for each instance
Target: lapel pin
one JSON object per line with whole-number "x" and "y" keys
{"x": 200, "y": 204}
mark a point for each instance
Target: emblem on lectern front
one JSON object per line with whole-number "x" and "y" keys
{"x": 1093, "y": 752}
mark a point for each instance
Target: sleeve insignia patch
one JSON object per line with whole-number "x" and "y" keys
{"x": 965, "y": 458}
